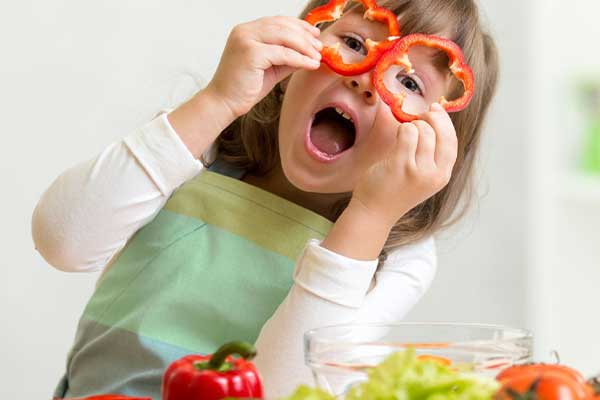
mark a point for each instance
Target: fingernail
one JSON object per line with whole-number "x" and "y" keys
{"x": 436, "y": 107}
{"x": 315, "y": 30}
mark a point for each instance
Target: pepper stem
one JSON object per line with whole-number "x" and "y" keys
{"x": 595, "y": 384}
{"x": 243, "y": 349}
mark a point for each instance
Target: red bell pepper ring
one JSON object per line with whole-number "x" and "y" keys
{"x": 331, "y": 56}
{"x": 326, "y": 13}
{"x": 196, "y": 377}
{"x": 398, "y": 55}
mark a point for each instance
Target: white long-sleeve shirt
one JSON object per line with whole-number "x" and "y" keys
{"x": 88, "y": 214}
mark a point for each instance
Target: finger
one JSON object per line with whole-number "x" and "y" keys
{"x": 425, "y": 155}
{"x": 292, "y": 38}
{"x": 313, "y": 30}
{"x": 272, "y": 55}
{"x": 299, "y": 23}
{"x": 407, "y": 140}
{"x": 447, "y": 143}
{"x": 294, "y": 24}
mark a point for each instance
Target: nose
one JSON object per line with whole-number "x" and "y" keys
{"x": 363, "y": 86}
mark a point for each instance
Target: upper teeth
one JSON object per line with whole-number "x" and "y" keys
{"x": 343, "y": 114}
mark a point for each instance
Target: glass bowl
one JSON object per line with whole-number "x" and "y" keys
{"x": 339, "y": 356}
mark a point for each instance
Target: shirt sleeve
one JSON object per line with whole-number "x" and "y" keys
{"x": 331, "y": 289}
{"x": 90, "y": 211}
{"x": 401, "y": 282}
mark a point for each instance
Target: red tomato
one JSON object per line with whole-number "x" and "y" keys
{"x": 544, "y": 382}
{"x": 560, "y": 369}
{"x": 542, "y": 386}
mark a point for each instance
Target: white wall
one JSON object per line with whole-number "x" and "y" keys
{"x": 563, "y": 228}
{"x": 75, "y": 76}
{"x": 482, "y": 261}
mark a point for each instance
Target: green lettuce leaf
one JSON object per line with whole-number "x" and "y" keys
{"x": 307, "y": 393}
{"x": 404, "y": 377}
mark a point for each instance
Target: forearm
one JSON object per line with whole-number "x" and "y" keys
{"x": 90, "y": 211}
{"x": 358, "y": 233}
{"x": 200, "y": 120}
{"x": 404, "y": 278}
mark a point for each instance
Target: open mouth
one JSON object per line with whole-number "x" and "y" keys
{"x": 332, "y": 132}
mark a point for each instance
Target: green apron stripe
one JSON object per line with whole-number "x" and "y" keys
{"x": 266, "y": 219}
{"x": 163, "y": 231}
{"x": 267, "y": 200}
{"x": 200, "y": 271}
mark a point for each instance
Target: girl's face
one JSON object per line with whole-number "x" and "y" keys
{"x": 323, "y": 151}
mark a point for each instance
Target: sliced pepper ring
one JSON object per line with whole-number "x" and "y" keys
{"x": 326, "y": 13}
{"x": 398, "y": 55}
{"x": 331, "y": 55}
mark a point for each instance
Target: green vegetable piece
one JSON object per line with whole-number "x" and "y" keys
{"x": 307, "y": 393}
{"x": 402, "y": 376}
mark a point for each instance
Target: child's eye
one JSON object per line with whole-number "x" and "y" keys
{"x": 354, "y": 44}
{"x": 410, "y": 84}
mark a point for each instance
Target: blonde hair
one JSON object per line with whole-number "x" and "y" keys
{"x": 251, "y": 140}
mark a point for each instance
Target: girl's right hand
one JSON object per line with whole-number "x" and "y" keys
{"x": 258, "y": 55}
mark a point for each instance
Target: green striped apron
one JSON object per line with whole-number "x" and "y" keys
{"x": 211, "y": 267}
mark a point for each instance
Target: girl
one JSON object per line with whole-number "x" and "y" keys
{"x": 315, "y": 206}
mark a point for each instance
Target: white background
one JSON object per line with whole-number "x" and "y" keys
{"x": 77, "y": 75}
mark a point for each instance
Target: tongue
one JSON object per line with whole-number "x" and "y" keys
{"x": 330, "y": 137}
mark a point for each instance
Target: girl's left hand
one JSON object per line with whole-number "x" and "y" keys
{"x": 418, "y": 166}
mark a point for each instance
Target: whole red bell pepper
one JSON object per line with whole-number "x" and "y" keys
{"x": 197, "y": 377}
